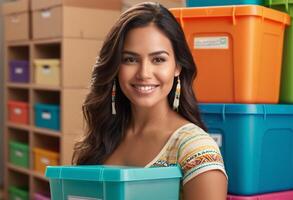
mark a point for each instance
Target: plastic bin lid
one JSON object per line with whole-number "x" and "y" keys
{"x": 283, "y": 109}
{"x": 112, "y": 173}
{"x": 231, "y": 11}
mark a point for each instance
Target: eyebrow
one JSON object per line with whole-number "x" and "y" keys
{"x": 151, "y": 54}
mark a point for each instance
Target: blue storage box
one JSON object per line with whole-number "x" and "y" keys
{"x": 201, "y": 3}
{"x": 114, "y": 183}
{"x": 47, "y": 116}
{"x": 256, "y": 141}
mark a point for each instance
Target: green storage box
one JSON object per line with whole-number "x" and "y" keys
{"x": 286, "y": 92}
{"x": 19, "y": 154}
{"x": 16, "y": 193}
{"x": 113, "y": 183}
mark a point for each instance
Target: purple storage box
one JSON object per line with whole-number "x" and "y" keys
{"x": 286, "y": 195}
{"x": 38, "y": 196}
{"x": 19, "y": 71}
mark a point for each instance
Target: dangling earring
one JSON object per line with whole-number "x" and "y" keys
{"x": 113, "y": 98}
{"x": 177, "y": 95}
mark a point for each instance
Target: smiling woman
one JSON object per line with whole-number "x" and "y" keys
{"x": 141, "y": 110}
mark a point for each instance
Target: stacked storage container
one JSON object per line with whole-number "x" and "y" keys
{"x": 237, "y": 47}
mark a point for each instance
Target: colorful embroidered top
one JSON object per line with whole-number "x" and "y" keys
{"x": 193, "y": 149}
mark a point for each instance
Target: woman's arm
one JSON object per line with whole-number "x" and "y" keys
{"x": 210, "y": 185}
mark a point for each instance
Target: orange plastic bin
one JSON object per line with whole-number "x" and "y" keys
{"x": 237, "y": 50}
{"x": 18, "y": 112}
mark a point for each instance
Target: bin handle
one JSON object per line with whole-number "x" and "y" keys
{"x": 233, "y": 15}
{"x": 287, "y": 5}
{"x": 224, "y": 112}
{"x": 181, "y": 18}
{"x": 46, "y": 66}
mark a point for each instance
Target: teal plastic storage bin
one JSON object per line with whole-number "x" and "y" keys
{"x": 113, "y": 183}
{"x": 256, "y": 141}
{"x": 201, "y": 3}
{"x": 47, "y": 116}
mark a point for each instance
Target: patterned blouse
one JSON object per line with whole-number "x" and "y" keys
{"x": 193, "y": 149}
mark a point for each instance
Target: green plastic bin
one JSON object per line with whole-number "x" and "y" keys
{"x": 16, "y": 193}
{"x": 114, "y": 183}
{"x": 286, "y": 90}
{"x": 19, "y": 154}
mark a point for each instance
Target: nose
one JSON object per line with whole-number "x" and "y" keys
{"x": 144, "y": 70}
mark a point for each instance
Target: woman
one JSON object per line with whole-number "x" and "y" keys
{"x": 141, "y": 110}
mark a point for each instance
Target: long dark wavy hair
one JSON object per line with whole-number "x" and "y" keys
{"x": 104, "y": 130}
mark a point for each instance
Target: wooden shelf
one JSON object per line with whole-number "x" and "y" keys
{"x": 17, "y": 43}
{"x": 46, "y": 87}
{"x": 39, "y": 176}
{"x": 42, "y": 131}
{"x": 47, "y": 41}
{"x": 18, "y": 169}
{"x": 18, "y": 126}
{"x": 18, "y": 85}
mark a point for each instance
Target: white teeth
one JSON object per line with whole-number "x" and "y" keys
{"x": 144, "y": 88}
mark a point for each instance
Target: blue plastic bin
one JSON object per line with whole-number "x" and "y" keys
{"x": 47, "y": 116}
{"x": 114, "y": 183}
{"x": 256, "y": 141}
{"x": 201, "y": 3}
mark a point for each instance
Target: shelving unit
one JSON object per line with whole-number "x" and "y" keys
{"x": 75, "y": 70}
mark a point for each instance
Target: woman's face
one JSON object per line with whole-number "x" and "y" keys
{"x": 148, "y": 67}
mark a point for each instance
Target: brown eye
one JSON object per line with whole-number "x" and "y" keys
{"x": 158, "y": 60}
{"x": 129, "y": 60}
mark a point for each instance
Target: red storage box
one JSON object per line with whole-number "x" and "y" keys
{"x": 18, "y": 112}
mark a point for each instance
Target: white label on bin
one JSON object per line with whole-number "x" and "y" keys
{"x": 18, "y": 153}
{"x": 18, "y": 70}
{"x": 15, "y": 19}
{"x": 46, "y": 71}
{"x": 17, "y": 111}
{"x": 46, "y": 13}
{"x": 46, "y": 115}
{"x": 217, "y": 137}
{"x": 45, "y": 161}
{"x": 211, "y": 42}
{"x": 81, "y": 198}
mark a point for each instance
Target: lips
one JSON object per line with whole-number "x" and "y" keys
{"x": 145, "y": 88}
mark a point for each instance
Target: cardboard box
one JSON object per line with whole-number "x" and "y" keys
{"x": 102, "y": 4}
{"x": 73, "y": 22}
{"x": 167, "y": 3}
{"x": 16, "y": 20}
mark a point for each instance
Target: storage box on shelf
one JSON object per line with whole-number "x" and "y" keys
{"x": 19, "y": 154}
{"x": 38, "y": 196}
{"x": 201, "y": 3}
{"x": 16, "y": 20}
{"x": 44, "y": 158}
{"x": 167, "y": 3}
{"x": 286, "y": 93}
{"x": 47, "y": 116}
{"x": 16, "y": 193}
{"x": 113, "y": 183}
{"x": 284, "y": 195}
{"x": 109, "y": 4}
{"x": 18, "y": 112}
{"x": 19, "y": 71}
{"x": 51, "y": 20}
{"x": 47, "y": 71}
{"x": 237, "y": 50}
{"x": 256, "y": 140}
